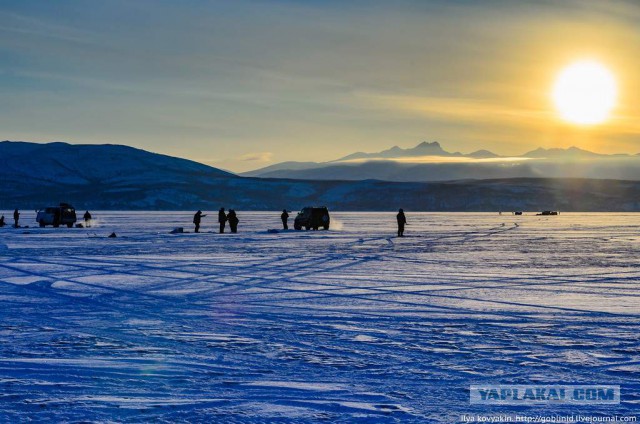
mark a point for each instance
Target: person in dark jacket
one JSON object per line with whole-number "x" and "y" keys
{"x": 2, "y": 223}
{"x": 87, "y": 219}
{"x": 402, "y": 220}
{"x": 284, "y": 217}
{"x": 222, "y": 219}
{"x": 233, "y": 221}
{"x": 16, "y": 218}
{"x": 196, "y": 220}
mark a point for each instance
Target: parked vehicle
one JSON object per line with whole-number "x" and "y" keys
{"x": 312, "y": 218}
{"x": 64, "y": 214}
{"x": 545, "y": 213}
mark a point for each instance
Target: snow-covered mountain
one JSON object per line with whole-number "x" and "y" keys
{"x": 570, "y": 153}
{"x": 124, "y": 178}
{"x": 430, "y": 162}
{"x": 422, "y": 149}
{"x": 106, "y": 175}
{"x": 55, "y": 163}
{"x": 283, "y": 166}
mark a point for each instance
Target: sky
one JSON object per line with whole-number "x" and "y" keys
{"x": 243, "y": 84}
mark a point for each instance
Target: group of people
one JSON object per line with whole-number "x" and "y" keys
{"x": 233, "y": 220}
{"x": 223, "y": 218}
{"x": 16, "y": 219}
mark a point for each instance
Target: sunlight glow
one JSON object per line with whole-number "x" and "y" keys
{"x": 584, "y": 93}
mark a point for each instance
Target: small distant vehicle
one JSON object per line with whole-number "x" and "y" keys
{"x": 312, "y": 218}
{"x": 65, "y": 214}
{"x": 546, "y": 213}
{"x": 517, "y": 213}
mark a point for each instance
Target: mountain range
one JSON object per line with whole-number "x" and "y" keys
{"x": 422, "y": 149}
{"x": 430, "y": 162}
{"x": 125, "y": 178}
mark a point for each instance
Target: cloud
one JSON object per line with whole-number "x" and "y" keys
{"x": 257, "y": 157}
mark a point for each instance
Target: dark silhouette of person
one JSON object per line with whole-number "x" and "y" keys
{"x": 16, "y": 218}
{"x": 197, "y": 217}
{"x": 87, "y": 219}
{"x": 284, "y": 217}
{"x": 2, "y": 223}
{"x": 402, "y": 220}
{"x": 222, "y": 219}
{"x": 233, "y": 221}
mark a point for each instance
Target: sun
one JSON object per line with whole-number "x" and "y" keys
{"x": 585, "y": 93}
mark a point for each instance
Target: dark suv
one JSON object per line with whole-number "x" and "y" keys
{"x": 64, "y": 214}
{"x": 312, "y": 218}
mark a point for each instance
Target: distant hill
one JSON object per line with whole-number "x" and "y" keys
{"x": 89, "y": 163}
{"x": 422, "y": 149}
{"x": 47, "y": 173}
{"x": 570, "y": 153}
{"x": 482, "y": 154}
{"x": 627, "y": 168}
{"x": 124, "y": 178}
{"x": 282, "y": 170}
{"x": 289, "y": 166}
{"x": 429, "y": 162}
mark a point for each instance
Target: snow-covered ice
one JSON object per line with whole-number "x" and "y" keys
{"x": 346, "y": 325}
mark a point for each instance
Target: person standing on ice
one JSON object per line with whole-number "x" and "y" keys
{"x": 222, "y": 219}
{"x": 233, "y": 221}
{"x": 197, "y": 218}
{"x": 284, "y": 217}
{"x": 402, "y": 220}
{"x": 87, "y": 219}
{"x": 16, "y": 218}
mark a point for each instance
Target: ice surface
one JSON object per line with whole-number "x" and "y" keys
{"x": 345, "y": 325}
